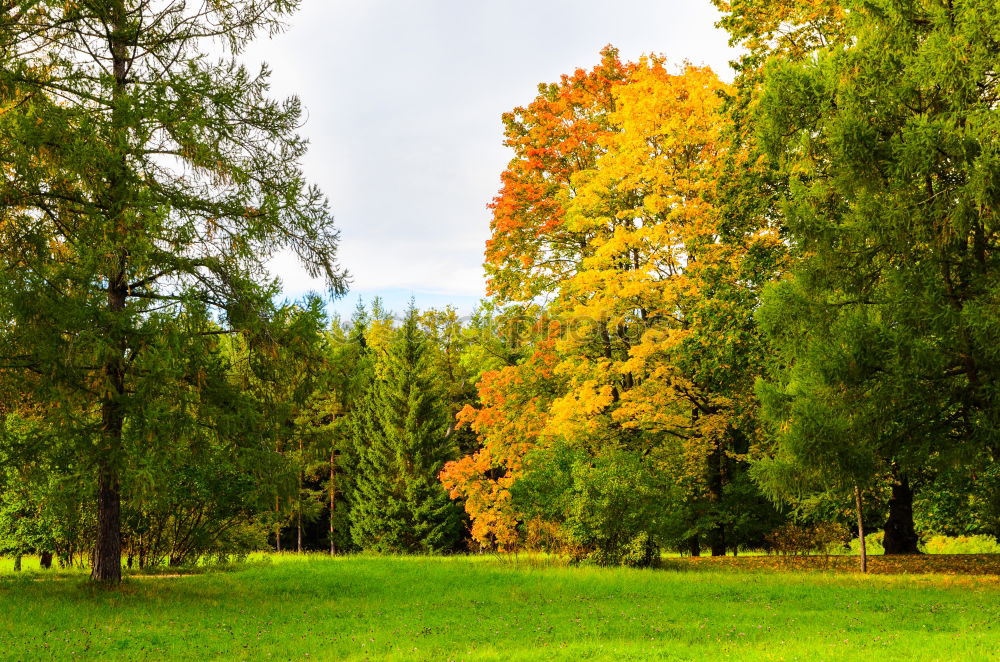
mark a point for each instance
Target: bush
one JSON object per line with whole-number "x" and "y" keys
{"x": 962, "y": 545}
{"x": 609, "y": 509}
{"x": 873, "y": 544}
{"x": 822, "y": 538}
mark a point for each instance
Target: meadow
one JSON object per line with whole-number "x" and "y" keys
{"x": 501, "y": 608}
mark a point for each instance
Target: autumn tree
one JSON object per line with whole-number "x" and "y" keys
{"x": 558, "y": 134}
{"x": 663, "y": 354}
{"x": 652, "y": 310}
{"x": 145, "y": 186}
{"x": 509, "y": 420}
{"x": 529, "y": 253}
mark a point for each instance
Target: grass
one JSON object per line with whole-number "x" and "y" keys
{"x": 492, "y": 608}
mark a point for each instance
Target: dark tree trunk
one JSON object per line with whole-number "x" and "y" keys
{"x": 277, "y": 526}
{"x": 46, "y": 560}
{"x": 694, "y": 546}
{"x": 298, "y": 514}
{"x": 108, "y": 549}
{"x": 900, "y": 535}
{"x": 17, "y": 563}
{"x": 716, "y": 482}
{"x": 717, "y": 540}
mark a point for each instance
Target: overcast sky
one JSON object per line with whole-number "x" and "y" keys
{"x": 403, "y": 102}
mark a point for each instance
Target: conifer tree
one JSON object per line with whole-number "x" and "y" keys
{"x": 400, "y": 431}
{"x": 144, "y": 187}
{"x": 887, "y": 327}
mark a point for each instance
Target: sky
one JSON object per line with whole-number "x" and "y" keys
{"x": 403, "y": 101}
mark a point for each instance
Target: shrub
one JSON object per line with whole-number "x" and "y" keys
{"x": 822, "y": 538}
{"x": 962, "y": 545}
{"x": 873, "y": 544}
{"x": 609, "y": 509}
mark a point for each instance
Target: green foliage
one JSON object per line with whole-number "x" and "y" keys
{"x": 612, "y": 509}
{"x": 960, "y": 503}
{"x": 887, "y": 329}
{"x": 400, "y": 432}
{"x": 961, "y": 545}
{"x": 146, "y": 185}
{"x": 873, "y": 544}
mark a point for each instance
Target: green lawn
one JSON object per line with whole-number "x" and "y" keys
{"x": 498, "y": 609}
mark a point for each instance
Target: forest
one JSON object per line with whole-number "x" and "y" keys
{"x": 722, "y": 318}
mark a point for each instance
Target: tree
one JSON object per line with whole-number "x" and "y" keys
{"x": 145, "y": 187}
{"x": 400, "y": 432}
{"x": 509, "y": 421}
{"x": 888, "y": 326}
{"x": 653, "y": 328}
{"x": 448, "y": 344}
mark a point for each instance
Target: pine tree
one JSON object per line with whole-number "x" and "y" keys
{"x": 400, "y": 431}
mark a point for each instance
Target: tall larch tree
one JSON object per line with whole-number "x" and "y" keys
{"x": 145, "y": 186}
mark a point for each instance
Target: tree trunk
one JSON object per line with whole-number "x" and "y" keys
{"x": 861, "y": 529}
{"x": 900, "y": 535}
{"x": 277, "y": 526}
{"x": 694, "y": 546}
{"x": 17, "y": 563}
{"x": 717, "y": 540}
{"x": 716, "y": 481}
{"x": 45, "y": 561}
{"x": 298, "y": 509}
{"x": 108, "y": 550}
{"x": 333, "y": 502}
{"x": 107, "y": 547}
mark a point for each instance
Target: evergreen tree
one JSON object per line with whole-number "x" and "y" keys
{"x": 889, "y": 326}
{"x": 400, "y": 432}
{"x": 145, "y": 186}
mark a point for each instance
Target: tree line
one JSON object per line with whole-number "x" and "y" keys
{"x": 717, "y": 312}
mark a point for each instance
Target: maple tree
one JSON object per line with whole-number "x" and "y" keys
{"x": 667, "y": 360}
{"x": 558, "y": 134}
{"x": 510, "y": 417}
{"x": 624, "y": 237}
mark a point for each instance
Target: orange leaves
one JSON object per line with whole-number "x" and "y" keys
{"x": 553, "y": 137}
{"x": 511, "y": 418}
